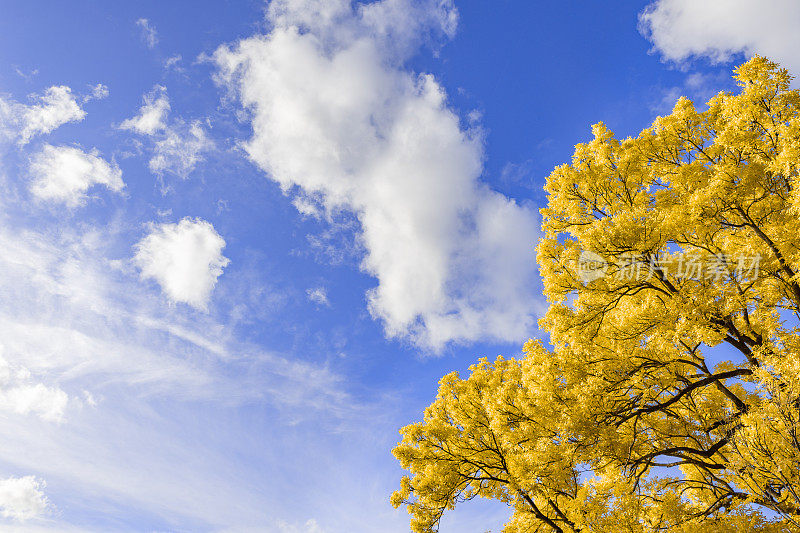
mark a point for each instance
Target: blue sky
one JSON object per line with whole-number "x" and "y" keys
{"x": 242, "y": 241}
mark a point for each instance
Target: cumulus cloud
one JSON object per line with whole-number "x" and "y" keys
{"x": 185, "y": 259}
{"x": 149, "y": 34}
{"x": 177, "y": 147}
{"x": 717, "y": 29}
{"x": 180, "y": 149}
{"x": 99, "y": 92}
{"x": 48, "y": 403}
{"x": 342, "y": 125}
{"x": 64, "y": 174}
{"x": 152, "y": 115}
{"x": 72, "y": 318}
{"x": 22, "y": 498}
{"x": 57, "y": 106}
{"x": 18, "y": 395}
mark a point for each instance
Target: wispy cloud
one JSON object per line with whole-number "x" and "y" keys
{"x": 75, "y": 325}
{"x": 310, "y": 526}
{"x": 173, "y": 62}
{"x": 318, "y": 295}
{"x": 178, "y": 146}
{"x": 149, "y": 33}
{"x": 99, "y": 92}
{"x": 180, "y": 149}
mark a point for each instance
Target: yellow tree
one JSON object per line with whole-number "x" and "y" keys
{"x": 658, "y": 252}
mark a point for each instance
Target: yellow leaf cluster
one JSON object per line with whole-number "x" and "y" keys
{"x": 625, "y": 423}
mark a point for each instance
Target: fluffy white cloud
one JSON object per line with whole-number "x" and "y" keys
{"x": 149, "y": 33}
{"x": 64, "y": 174}
{"x": 48, "y": 403}
{"x": 22, "y": 498}
{"x": 152, "y": 115}
{"x": 184, "y": 258}
{"x": 72, "y": 317}
{"x": 178, "y": 147}
{"x": 76, "y": 319}
{"x": 19, "y": 395}
{"x": 57, "y": 106}
{"x": 341, "y": 124}
{"x": 717, "y": 29}
{"x": 99, "y": 92}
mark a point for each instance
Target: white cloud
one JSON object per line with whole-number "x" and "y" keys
{"x": 26, "y": 76}
{"x": 22, "y": 498}
{"x": 310, "y": 526}
{"x": 66, "y": 314}
{"x": 19, "y": 395}
{"x": 80, "y": 321}
{"x": 173, "y": 62}
{"x": 152, "y": 115}
{"x": 184, "y": 258}
{"x": 339, "y": 122}
{"x": 57, "y": 106}
{"x": 99, "y": 92}
{"x": 149, "y": 34}
{"x": 680, "y": 29}
{"x": 64, "y": 174}
{"x": 180, "y": 149}
{"x": 72, "y": 317}
{"x": 318, "y": 295}
{"x": 48, "y": 403}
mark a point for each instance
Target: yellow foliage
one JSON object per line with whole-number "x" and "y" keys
{"x": 624, "y": 425}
